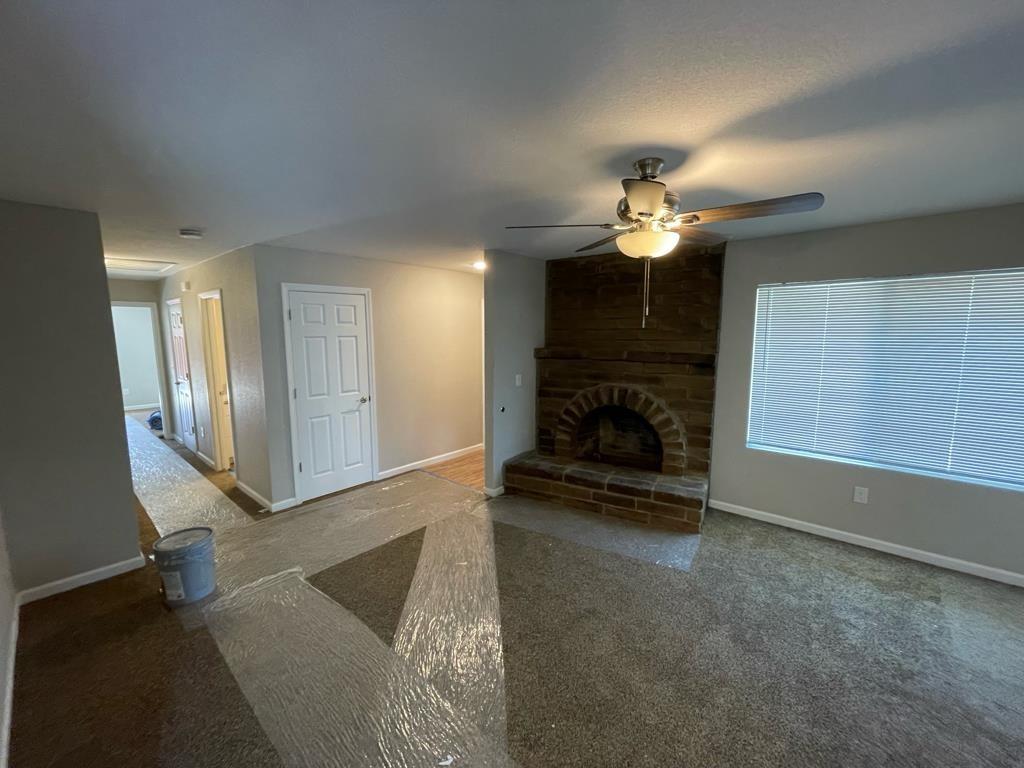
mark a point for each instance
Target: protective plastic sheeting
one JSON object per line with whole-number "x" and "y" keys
{"x": 640, "y": 542}
{"x": 326, "y": 534}
{"x": 328, "y": 692}
{"x": 450, "y": 630}
{"x": 174, "y": 494}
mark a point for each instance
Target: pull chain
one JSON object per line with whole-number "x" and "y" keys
{"x": 647, "y": 292}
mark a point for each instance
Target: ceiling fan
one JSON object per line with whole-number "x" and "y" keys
{"x": 650, "y": 222}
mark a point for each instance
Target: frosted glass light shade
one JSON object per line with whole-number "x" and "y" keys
{"x": 640, "y": 244}
{"x": 645, "y": 197}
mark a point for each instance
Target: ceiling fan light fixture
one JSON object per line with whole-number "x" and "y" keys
{"x": 647, "y": 244}
{"x": 645, "y": 198}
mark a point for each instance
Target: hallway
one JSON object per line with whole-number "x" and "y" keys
{"x": 224, "y": 479}
{"x": 174, "y": 494}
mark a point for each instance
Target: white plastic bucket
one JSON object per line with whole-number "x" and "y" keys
{"x": 184, "y": 560}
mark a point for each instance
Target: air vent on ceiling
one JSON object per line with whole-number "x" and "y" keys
{"x": 138, "y": 266}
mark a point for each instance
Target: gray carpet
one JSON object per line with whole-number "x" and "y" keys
{"x": 778, "y": 649}
{"x": 374, "y": 584}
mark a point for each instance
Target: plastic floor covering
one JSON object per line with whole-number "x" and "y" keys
{"x": 174, "y": 494}
{"x": 326, "y": 689}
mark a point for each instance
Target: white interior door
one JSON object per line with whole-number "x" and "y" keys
{"x": 185, "y": 420}
{"x": 331, "y": 391}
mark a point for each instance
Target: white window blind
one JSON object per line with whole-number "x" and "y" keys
{"x": 923, "y": 374}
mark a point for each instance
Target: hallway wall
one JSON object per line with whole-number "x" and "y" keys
{"x": 234, "y": 274}
{"x": 134, "y": 290}
{"x": 65, "y": 482}
{"x": 427, "y": 339}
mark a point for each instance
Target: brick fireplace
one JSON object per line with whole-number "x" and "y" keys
{"x": 624, "y": 413}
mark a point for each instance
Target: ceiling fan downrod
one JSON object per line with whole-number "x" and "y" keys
{"x": 647, "y": 291}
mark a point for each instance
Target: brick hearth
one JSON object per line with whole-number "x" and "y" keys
{"x": 670, "y": 501}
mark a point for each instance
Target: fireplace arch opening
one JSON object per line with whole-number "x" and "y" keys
{"x": 614, "y": 434}
{"x": 650, "y": 409}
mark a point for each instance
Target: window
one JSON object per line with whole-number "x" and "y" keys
{"x": 924, "y": 374}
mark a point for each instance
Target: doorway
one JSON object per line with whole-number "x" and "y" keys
{"x": 184, "y": 415}
{"x": 329, "y": 350}
{"x": 139, "y": 359}
{"x": 218, "y": 388}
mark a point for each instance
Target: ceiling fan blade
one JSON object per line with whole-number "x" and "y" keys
{"x": 699, "y": 236}
{"x": 557, "y": 226}
{"x": 809, "y": 201}
{"x": 600, "y": 242}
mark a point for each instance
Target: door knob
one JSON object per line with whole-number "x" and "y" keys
{"x": 364, "y": 399}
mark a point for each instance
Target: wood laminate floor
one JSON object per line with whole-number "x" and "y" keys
{"x": 467, "y": 469}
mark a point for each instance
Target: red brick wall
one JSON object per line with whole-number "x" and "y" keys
{"x": 593, "y": 336}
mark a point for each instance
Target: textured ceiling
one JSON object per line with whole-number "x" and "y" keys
{"x": 413, "y": 130}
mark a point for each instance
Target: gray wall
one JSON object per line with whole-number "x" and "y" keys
{"x": 427, "y": 353}
{"x": 65, "y": 481}
{"x": 134, "y": 290}
{"x": 233, "y": 273}
{"x": 136, "y": 356}
{"x": 514, "y": 327}
{"x": 8, "y": 610}
{"x": 969, "y": 522}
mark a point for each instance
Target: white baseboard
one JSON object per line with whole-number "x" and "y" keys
{"x": 386, "y": 473}
{"x": 207, "y": 460}
{"x": 277, "y": 506}
{"x": 144, "y": 407}
{"x": 253, "y": 495}
{"x": 942, "y": 561}
{"x": 8, "y": 693}
{"x": 492, "y": 492}
{"x": 80, "y": 580}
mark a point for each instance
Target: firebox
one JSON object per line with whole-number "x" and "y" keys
{"x": 615, "y": 435}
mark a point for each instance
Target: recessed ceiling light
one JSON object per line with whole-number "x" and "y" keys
{"x": 479, "y": 266}
{"x": 190, "y": 233}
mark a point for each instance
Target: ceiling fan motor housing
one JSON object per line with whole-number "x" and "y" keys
{"x": 648, "y": 168}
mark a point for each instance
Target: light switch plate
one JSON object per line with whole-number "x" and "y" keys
{"x": 860, "y": 495}
{"x": 519, "y": 379}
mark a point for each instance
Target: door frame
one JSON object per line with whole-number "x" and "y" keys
{"x": 219, "y": 460}
{"x": 158, "y": 348}
{"x": 192, "y": 395}
{"x": 287, "y": 288}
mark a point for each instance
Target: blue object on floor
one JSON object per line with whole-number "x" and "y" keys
{"x": 155, "y": 421}
{"x": 185, "y": 562}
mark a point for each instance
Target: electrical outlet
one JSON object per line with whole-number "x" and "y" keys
{"x": 860, "y": 495}
{"x": 519, "y": 379}
{"x": 202, "y": 431}
{"x": 125, "y": 391}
